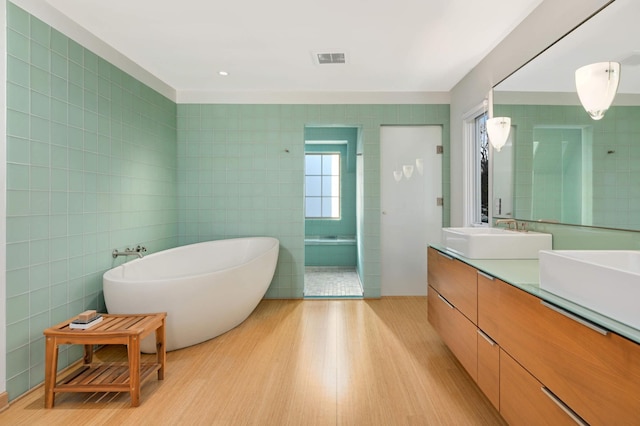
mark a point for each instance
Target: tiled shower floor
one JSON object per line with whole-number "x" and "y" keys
{"x": 331, "y": 281}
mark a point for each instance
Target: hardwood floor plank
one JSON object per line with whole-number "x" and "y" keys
{"x": 293, "y": 362}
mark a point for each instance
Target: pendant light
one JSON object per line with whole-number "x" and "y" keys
{"x": 597, "y": 85}
{"x": 498, "y": 131}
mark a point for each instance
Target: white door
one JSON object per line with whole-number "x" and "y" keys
{"x": 411, "y": 218}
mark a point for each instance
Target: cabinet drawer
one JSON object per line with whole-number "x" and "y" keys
{"x": 489, "y": 301}
{"x": 456, "y": 331}
{"x": 454, "y": 280}
{"x": 522, "y": 399}
{"x": 597, "y": 375}
{"x": 489, "y": 368}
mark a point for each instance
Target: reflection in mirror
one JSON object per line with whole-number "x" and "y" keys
{"x": 561, "y": 175}
{"x": 567, "y": 167}
{"x": 503, "y": 179}
{"x": 597, "y": 85}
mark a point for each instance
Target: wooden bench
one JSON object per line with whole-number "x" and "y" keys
{"x": 105, "y": 377}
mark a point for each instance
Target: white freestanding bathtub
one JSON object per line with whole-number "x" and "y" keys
{"x": 206, "y": 289}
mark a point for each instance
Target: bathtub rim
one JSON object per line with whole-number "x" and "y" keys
{"x": 105, "y": 275}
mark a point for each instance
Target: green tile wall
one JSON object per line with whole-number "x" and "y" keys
{"x": 557, "y": 174}
{"x": 91, "y": 166}
{"x": 330, "y": 255}
{"x": 616, "y": 158}
{"x": 240, "y": 173}
{"x": 571, "y": 237}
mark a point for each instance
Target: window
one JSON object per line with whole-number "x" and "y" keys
{"x": 322, "y": 186}
{"x": 475, "y": 167}
{"x": 482, "y": 169}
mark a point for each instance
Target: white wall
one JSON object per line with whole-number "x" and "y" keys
{"x": 550, "y": 21}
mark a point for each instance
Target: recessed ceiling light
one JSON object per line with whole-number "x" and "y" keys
{"x": 223, "y": 73}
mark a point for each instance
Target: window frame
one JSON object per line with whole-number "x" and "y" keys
{"x": 472, "y": 169}
{"x": 481, "y": 162}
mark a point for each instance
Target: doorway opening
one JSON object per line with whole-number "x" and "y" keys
{"x": 331, "y": 281}
{"x": 331, "y": 213}
{"x": 561, "y": 182}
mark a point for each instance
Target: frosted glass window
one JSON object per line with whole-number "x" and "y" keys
{"x": 313, "y": 186}
{"x": 322, "y": 186}
{"x": 331, "y": 165}
{"x": 313, "y": 165}
{"x": 313, "y": 206}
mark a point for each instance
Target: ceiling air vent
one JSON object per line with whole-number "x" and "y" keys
{"x": 330, "y": 58}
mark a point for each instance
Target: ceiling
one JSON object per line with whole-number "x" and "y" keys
{"x": 399, "y": 46}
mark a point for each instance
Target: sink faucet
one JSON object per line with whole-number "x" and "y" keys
{"x": 509, "y": 222}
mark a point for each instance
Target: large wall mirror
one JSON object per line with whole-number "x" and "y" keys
{"x": 559, "y": 164}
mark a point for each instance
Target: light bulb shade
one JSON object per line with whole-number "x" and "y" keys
{"x": 597, "y": 85}
{"x": 498, "y": 131}
{"x": 420, "y": 165}
{"x": 407, "y": 170}
{"x": 397, "y": 175}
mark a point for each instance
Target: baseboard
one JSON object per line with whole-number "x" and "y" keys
{"x": 4, "y": 396}
{"x": 4, "y": 401}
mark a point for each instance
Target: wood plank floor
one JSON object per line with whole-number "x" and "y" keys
{"x": 293, "y": 362}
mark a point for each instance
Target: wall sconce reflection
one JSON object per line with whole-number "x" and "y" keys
{"x": 407, "y": 170}
{"x": 597, "y": 85}
{"x": 498, "y": 131}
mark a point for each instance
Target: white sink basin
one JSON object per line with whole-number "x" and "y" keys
{"x": 495, "y": 243}
{"x": 605, "y": 281}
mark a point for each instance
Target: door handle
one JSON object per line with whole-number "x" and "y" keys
{"x": 563, "y": 406}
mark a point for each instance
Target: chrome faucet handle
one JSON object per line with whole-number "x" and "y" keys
{"x": 509, "y": 222}
{"x": 129, "y": 252}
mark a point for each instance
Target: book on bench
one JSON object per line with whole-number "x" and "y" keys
{"x": 83, "y": 325}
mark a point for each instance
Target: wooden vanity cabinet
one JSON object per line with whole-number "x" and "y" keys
{"x": 489, "y": 368}
{"x": 455, "y": 281}
{"x": 457, "y": 332}
{"x": 523, "y": 400}
{"x": 536, "y": 364}
{"x": 597, "y": 375}
{"x": 489, "y": 301}
{"x": 489, "y": 336}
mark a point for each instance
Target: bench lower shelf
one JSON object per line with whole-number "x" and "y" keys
{"x": 103, "y": 377}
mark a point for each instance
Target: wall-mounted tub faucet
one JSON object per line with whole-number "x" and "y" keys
{"x": 138, "y": 251}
